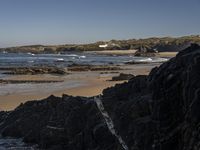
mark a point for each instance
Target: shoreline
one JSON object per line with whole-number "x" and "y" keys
{"x": 92, "y": 87}
{"x": 131, "y": 52}
{"x": 86, "y": 83}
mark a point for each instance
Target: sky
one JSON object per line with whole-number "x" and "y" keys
{"x": 28, "y": 22}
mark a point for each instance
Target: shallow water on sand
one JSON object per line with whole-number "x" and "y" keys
{"x": 26, "y": 88}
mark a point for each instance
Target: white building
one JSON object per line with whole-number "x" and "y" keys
{"x": 103, "y": 46}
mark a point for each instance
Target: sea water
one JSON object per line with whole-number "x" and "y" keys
{"x": 63, "y": 60}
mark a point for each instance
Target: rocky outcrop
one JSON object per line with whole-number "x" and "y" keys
{"x": 145, "y": 51}
{"x": 122, "y": 76}
{"x": 155, "y": 112}
{"x": 175, "y": 101}
{"x": 12, "y": 81}
{"x": 3, "y": 115}
{"x": 87, "y": 67}
{"x": 60, "y": 123}
{"x": 33, "y": 70}
{"x": 160, "y": 111}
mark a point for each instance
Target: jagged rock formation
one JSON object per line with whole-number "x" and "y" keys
{"x": 60, "y": 123}
{"x": 145, "y": 51}
{"x": 155, "y": 112}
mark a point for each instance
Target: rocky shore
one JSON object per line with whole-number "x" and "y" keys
{"x": 79, "y": 67}
{"x": 57, "y": 71}
{"x": 6, "y": 81}
{"x": 32, "y": 70}
{"x": 159, "y": 111}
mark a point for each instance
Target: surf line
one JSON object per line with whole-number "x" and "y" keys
{"x": 109, "y": 121}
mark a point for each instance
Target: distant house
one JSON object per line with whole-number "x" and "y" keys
{"x": 103, "y": 46}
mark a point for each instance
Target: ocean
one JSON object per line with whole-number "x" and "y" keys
{"x": 63, "y": 60}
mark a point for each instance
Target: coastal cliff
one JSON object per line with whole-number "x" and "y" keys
{"x": 155, "y": 112}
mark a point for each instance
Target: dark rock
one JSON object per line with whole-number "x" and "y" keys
{"x": 82, "y": 67}
{"x": 3, "y": 115}
{"x": 137, "y": 62}
{"x": 7, "y": 81}
{"x": 122, "y": 76}
{"x": 175, "y": 99}
{"x": 34, "y": 70}
{"x": 59, "y": 123}
{"x": 145, "y": 51}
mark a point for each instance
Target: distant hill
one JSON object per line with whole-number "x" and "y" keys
{"x": 163, "y": 44}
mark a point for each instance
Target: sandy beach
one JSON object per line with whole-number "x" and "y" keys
{"x": 114, "y": 52}
{"x": 88, "y": 83}
{"x": 132, "y": 52}
{"x": 167, "y": 54}
{"x": 91, "y": 88}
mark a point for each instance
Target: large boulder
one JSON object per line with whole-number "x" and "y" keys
{"x": 59, "y": 123}
{"x": 145, "y": 51}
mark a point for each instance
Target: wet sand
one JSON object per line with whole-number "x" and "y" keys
{"x": 92, "y": 88}
{"x": 88, "y": 83}
{"x": 167, "y": 54}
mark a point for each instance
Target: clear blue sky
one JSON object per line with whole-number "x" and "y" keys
{"x": 24, "y": 22}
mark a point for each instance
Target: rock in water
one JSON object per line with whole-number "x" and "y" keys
{"x": 155, "y": 112}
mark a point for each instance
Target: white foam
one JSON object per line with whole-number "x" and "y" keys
{"x": 145, "y": 60}
{"x": 149, "y": 60}
{"x": 30, "y": 61}
{"x": 31, "y": 54}
{"x": 60, "y": 59}
{"x": 72, "y": 55}
{"x": 82, "y": 56}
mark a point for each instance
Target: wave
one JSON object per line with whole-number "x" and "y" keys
{"x": 30, "y": 61}
{"x": 60, "y": 60}
{"x": 72, "y": 55}
{"x": 82, "y": 56}
{"x": 160, "y": 60}
{"x": 147, "y": 60}
{"x": 31, "y": 54}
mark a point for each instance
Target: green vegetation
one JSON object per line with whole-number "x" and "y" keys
{"x": 154, "y": 43}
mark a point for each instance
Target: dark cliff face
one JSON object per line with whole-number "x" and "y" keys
{"x": 175, "y": 88}
{"x": 155, "y": 112}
